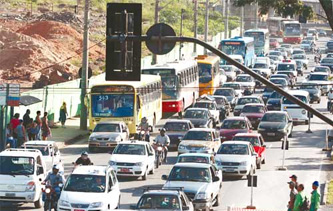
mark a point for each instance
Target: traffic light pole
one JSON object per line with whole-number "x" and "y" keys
{"x": 166, "y": 39}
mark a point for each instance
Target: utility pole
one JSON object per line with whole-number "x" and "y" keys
{"x": 226, "y": 21}
{"x": 84, "y": 77}
{"x": 256, "y": 15}
{"x": 206, "y": 23}
{"x": 181, "y": 33}
{"x": 157, "y": 19}
{"x": 195, "y": 24}
{"x": 223, "y": 8}
{"x": 242, "y": 22}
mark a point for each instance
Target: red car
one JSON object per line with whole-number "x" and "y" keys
{"x": 258, "y": 144}
{"x": 273, "y": 43}
{"x": 233, "y": 125}
{"x": 254, "y": 112}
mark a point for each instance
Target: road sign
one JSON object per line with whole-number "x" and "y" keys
{"x": 13, "y": 98}
{"x": 252, "y": 180}
{"x": 159, "y": 47}
{"x": 2, "y": 94}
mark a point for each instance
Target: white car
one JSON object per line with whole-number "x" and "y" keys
{"x": 276, "y": 53}
{"x": 288, "y": 47}
{"x": 236, "y": 86}
{"x": 321, "y": 79}
{"x": 211, "y": 106}
{"x": 50, "y": 152}
{"x": 201, "y": 183}
{"x": 90, "y": 188}
{"x": 21, "y": 174}
{"x": 236, "y": 158}
{"x": 302, "y": 58}
{"x": 223, "y": 77}
{"x": 264, "y": 68}
{"x": 230, "y": 72}
{"x": 133, "y": 159}
{"x": 108, "y": 134}
{"x": 247, "y": 82}
{"x": 287, "y": 66}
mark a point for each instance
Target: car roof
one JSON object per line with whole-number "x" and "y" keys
{"x": 236, "y": 142}
{"x": 21, "y": 153}
{"x": 276, "y": 112}
{"x": 244, "y": 74}
{"x": 91, "y": 170}
{"x": 318, "y": 73}
{"x": 110, "y": 122}
{"x": 161, "y": 192}
{"x": 247, "y": 134}
{"x": 193, "y": 165}
{"x": 219, "y": 96}
{"x": 134, "y": 142}
{"x": 195, "y": 154}
{"x": 44, "y": 143}
{"x": 236, "y": 118}
{"x": 298, "y": 92}
{"x": 319, "y": 66}
{"x": 197, "y": 109}
{"x": 254, "y": 104}
{"x": 178, "y": 121}
{"x": 202, "y": 129}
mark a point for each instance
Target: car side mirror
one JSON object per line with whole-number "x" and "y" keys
{"x": 216, "y": 179}
{"x": 40, "y": 170}
{"x": 164, "y": 177}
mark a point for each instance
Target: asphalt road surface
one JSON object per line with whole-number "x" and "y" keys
{"x": 304, "y": 158}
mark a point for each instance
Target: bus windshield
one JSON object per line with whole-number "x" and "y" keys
{"x": 259, "y": 38}
{"x": 292, "y": 29}
{"x": 235, "y": 49}
{"x": 205, "y": 72}
{"x": 112, "y": 105}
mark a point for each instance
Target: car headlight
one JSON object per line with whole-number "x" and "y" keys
{"x": 30, "y": 186}
{"x": 93, "y": 139}
{"x": 281, "y": 130}
{"x": 181, "y": 147}
{"x": 139, "y": 164}
{"x": 244, "y": 163}
{"x": 117, "y": 139}
{"x": 219, "y": 163}
{"x": 205, "y": 148}
{"x": 112, "y": 163}
{"x": 64, "y": 203}
{"x": 96, "y": 205}
{"x": 303, "y": 112}
{"x": 201, "y": 196}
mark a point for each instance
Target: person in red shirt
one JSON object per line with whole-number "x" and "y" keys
{"x": 14, "y": 123}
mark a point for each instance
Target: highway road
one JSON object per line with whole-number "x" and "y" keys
{"x": 304, "y": 158}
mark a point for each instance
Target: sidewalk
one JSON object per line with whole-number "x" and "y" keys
{"x": 68, "y": 135}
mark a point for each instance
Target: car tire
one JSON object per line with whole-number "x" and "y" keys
{"x": 217, "y": 201}
{"x": 152, "y": 171}
{"x": 38, "y": 203}
{"x": 144, "y": 177}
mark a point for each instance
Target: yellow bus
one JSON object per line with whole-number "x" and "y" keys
{"x": 209, "y": 74}
{"x": 127, "y": 101}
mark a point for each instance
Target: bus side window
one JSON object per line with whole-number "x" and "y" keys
{"x": 138, "y": 106}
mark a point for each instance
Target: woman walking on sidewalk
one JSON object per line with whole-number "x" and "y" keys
{"x": 63, "y": 114}
{"x": 46, "y": 131}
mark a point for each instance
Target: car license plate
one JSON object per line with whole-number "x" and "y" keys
{"x": 229, "y": 169}
{"x": 78, "y": 210}
{"x": 271, "y": 134}
{"x": 10, "y": 194}
{"x": 124, "y": 170}
{"x": 193, "y": 151}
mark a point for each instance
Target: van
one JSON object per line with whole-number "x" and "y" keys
{"x": 297, "y": 113}
{"x": 21, "y": 174}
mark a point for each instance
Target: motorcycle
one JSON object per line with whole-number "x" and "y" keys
{"x": 50, "y": 197}
{"x": 317, "y": 58}
{"x": 159, "y": 154}
{"x": 142, "y": 135}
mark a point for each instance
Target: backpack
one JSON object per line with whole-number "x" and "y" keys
{"x": 305, "y": 206}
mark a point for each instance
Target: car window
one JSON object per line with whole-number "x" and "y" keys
{"x": 176, "y": 126}
{"x": 190, "y": 174}
{"x": 233, "y": 149}
{"x": 233, "y": 124}
{"x": 274, "y": 117}
{"x": 130, "y": 149}
{"x": 193, "y": 159}
{"x": 159, "y": 202}
{"x": 107, "y": 128}
{"x": 253, "y": 140}
{"x": 198, "y": 136}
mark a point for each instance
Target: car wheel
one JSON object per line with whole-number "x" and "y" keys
{"x": 152, "y": 171}
{"x": 38, "y": 203}
{"x": 144, "y": 177}
{"x": 217, "y": 200}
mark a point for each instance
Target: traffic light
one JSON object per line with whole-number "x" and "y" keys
{"x": 123, "y": 59}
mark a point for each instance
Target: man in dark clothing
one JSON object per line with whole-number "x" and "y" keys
{"x": 292, "y": 196}
{"x": 294, "y": 179}
{"x": 26, "y": 118}
{"x": 83, "y": 160}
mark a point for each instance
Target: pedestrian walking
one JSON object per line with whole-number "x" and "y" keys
{"x": 292, "y": 196}
{"x": 21, "y": 134}
{"x": 14, "y": 122}
{"x": 63, "y": 114}
{"x": 39, "y": 125}
{"x": 315, "y": 197}
{"x": 46, "y": 131}
{"x": 26, "y": 118}
{"x": 300, "y": 198}
{"x": 294, "y": 179}
{"x": 32, "y": 130}
{"x": 10, "y": 140}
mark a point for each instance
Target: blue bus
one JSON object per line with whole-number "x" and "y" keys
{"x": 261, "y": 40}
{"x": 243, "y": 46}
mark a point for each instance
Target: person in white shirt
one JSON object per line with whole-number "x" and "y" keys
{"x": 329, "y": 98}
{"x": 164, "y": 140}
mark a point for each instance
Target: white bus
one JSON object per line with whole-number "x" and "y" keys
{"x": 261, "y": 40}
{"x": 297, "y": 113}
{"x": 180, "y": 84}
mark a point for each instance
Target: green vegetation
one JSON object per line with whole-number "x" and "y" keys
{"x": 330, "y": 193}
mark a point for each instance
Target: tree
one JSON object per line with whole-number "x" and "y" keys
{"x": 328, "y": 8}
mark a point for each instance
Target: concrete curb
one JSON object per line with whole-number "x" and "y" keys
{"x": 325, "y": 192}
{"x": 63, "y": 144}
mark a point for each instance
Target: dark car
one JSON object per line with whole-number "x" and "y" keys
{"x": 176, "y": 130}
{"x": 200, "y": 117}
{"x": 328, "y": 62}
{"x": 329, "y": 47}
{"x": 233, "y": 125}
{"x": 289, "y": 80}
{"x": 322, "y": 33}
{"x": 275, "y": 125}
{"x": 254, "y": 112}
{"x": 267, "y": 93}
{"x": 274, "y": 102}
{"x": 313, "y": 89}
{"x": 229, "y": 93}
{"x": 241, "y": 102}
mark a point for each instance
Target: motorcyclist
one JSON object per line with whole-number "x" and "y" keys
{"x": 83, "y": 160}
{"x": 329, "y": 98}
{"x": 54, "y": 179}
{"x": 144, "y": 126}
{"x": 164, "y": 140}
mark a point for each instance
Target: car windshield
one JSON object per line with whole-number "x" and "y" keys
{"x": 208, "y": 105}
{"x": 268, "y": 90}
{"x": 298, "y": 52}
{"x": 195, "y": 114}
{"x": 243, "y": 101}
{"x": 314, "y": 77}
{"x": 198, "y": 136}
{"x": 329, "y": 55}
{"x": 275, "y": 95}
{"x": 274, "y": 58}
{"x": 193, "y": 159}
{"x": 17, "y": 165}
{"x": 327, "y": 60}
{"x": 260, "y": 65}
{"x": 130, "y": 149}
{"x": 279, "y": 82}
{"x": 233, "y": 149}
{"x": 274, "y": 117}
{"x": 190, "y": 174}
{"x": 253, "y": 140}
{"x": 159, "y": 202}
{"x": 253, "y": 109}
{"x": 244, "y": 78}
{"x": 299, "y": 56}
{"x": 306, "y": 41}
{"x": 309, "y": 86}
{"x": 233, "y": 124}
{"x": 321, "y": 69}
{"x": 43, "y": 149}
{"x": 176, "y": 126}
{"x": 107, "y": 128}
{"x": 85, "y": 183}
{"x": 286, "y": 67}
{"x": 300, "y": 97}
{"x": 224, "y": 92}
{"x": 232, "y": 85}
{"x": 286, "y": 46}
{"x": 275, "y": 53}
